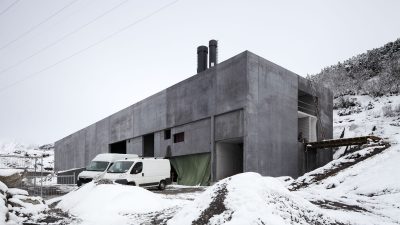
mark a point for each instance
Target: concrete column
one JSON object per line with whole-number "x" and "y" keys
{"x": 212, "y": 148}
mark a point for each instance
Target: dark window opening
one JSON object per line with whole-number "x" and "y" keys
{"x": 148, "y": 145}
{"x": 306, "y": 103}
{"x": 167, "y": 134}
{"x": 179, "y": 137}
{"x": 311, "y": 160}
{"x": 118, "y": 147}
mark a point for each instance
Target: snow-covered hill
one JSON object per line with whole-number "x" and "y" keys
{"x": 10, "y": 149}
{"x": 375, "y": 72}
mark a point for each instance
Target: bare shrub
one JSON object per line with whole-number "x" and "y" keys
{"x": 397, "y": 109}
{"x": 345, "y": 103}
{"x": 388, "y": 111}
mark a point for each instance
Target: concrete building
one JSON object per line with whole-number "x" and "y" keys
{"x": 243, "y": 114}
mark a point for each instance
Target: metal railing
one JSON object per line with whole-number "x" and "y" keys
{"x": 48, "y": 186}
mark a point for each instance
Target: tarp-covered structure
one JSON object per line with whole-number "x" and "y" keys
{"x": 193, "y": 169}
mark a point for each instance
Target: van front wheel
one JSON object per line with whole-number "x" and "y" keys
{"x": 162, "y": 185}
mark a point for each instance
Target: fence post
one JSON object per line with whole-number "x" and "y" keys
{"x": 41, "y": 177}
{"x": 73, "y": 179}
{"x": 34, "y": 176}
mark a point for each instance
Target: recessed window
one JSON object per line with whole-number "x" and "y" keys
{"x": 179, "y": 137}
{"x": 167, "y": 134}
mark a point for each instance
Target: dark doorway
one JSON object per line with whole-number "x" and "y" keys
{"x": 148, "y": 145}
{"x": 229, "y": 158}
{"x": 118, "y": 147}
{"x": 174, "y": 174}
{"x": 311, "y": 159}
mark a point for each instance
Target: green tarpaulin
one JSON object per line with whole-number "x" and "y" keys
{"x": 192, "y": 169}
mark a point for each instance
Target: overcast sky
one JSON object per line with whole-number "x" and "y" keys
{"x": 66, "y": 64}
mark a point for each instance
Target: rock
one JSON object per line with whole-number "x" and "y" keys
{"x": 15, "y": 202}
{"x": 11, "y": 177}
{"x": 32, "y": 200}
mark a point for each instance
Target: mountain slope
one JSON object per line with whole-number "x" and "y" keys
{"x": 376, "y": 72}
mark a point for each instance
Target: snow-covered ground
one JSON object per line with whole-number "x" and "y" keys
{"x": 362, "y": 187}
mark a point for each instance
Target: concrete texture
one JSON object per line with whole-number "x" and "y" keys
{"x": 243, "y": 97}
{"x": 229, "y": 125}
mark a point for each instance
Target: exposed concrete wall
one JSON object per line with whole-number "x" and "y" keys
{"x": 246, "y": 96}
{"x": 197, "y": 138}
{"x": 161, "y": 144}
{"x": 121, "y": 125}
{"x": 90, "y": 143}
{"x": 229, "y": 125}
{"x": 231, "y": 84}
{"x": 271, "y": 119}
{"x": 135, "y": 146}
{"x": 150, "y": 114}
{"x": 191, "y": 100}
{"x": 216, "y": 90}
{"x": 102, "y": 136}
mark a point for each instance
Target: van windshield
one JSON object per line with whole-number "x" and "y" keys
{"x": 120, "y": 167}
{"x": 97, "y": 166}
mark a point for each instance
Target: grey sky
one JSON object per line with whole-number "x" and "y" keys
{"x": 302, "y": 36}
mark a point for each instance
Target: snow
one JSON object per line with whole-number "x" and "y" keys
{"x": 361, "y": 124}
{"x": 3, "y": 207}
{"x": 3, "y": 187}
{"x": 106, "y": 203}
{"x": 9, "y": 172}
{"x": 253, "y": 199}
{"x": 16, "y": 191}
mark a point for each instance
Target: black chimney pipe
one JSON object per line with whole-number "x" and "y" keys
{"x": 202, "y": 52}
{"x": 213, "y": 45}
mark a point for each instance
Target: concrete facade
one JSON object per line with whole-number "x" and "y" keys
{"x": 244, "y": 98}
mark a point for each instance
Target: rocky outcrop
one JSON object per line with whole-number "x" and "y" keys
{"x": 12, "y": 177}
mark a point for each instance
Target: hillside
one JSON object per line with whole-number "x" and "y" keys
{"x": 375, "y": 73}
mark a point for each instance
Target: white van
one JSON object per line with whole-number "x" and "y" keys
{"x": 99, "y": 165}
{"x": 142, "y": 172}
